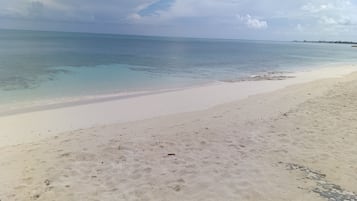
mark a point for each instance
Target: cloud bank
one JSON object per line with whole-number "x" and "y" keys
{"x": 261, "y": 19}
{"x": 253, "y": 23}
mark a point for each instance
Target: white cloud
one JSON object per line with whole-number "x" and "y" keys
{"x": 326, "y": 6}
{"x": 253, "y": 23}
{"x": 310, "y": 7}
{"x": 299, "y": 28}
{"x": 335, "y": 21}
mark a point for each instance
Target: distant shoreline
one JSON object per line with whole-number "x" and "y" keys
{"x": 354, "y": 44}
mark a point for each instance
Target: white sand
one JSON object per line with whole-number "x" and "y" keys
{"x": 290, "y": 144}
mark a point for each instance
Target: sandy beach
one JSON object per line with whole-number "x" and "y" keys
{"x": 290, "y": 139}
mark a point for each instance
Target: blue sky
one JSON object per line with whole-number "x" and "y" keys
{"x": 246, "y": 19}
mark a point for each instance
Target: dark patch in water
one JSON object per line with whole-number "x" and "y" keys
{"x": 21, "y": 82}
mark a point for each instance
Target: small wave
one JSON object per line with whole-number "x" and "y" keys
{"x": 275, "y": 75}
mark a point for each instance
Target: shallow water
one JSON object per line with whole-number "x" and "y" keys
{"x": 49, "y": 65}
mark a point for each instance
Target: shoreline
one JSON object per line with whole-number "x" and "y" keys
{"x": 40, "y": 124}
{"x": 295, "y": 143}
{"x": 327, "y": 71}
{"x": 305, "y": 75}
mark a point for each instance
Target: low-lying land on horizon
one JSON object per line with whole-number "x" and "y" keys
{"x": 330, "y": 42}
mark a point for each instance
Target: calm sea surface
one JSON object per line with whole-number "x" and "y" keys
{"x": 50, "y": 65}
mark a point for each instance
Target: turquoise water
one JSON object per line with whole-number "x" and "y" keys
{"x": 49, "y": 65}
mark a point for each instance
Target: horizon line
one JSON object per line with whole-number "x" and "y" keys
{"x": 143, "y": 35}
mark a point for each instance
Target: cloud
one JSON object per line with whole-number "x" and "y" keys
{"x": 299, "y": 28}
{"x": 312, "y": 8}
{"x": 333, "y": 13}
{"x": 325, "y": 6}
{"x": 206, "y": 18}
{"x": 166, "y": 10}
{"x": 253, "y": 23}
{"x": 335, "y": 21}
{"x": 155, "y": 7}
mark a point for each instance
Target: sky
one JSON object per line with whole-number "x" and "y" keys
{"x": 236, "y": 19}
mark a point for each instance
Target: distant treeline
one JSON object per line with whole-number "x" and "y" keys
{"x": 323, "y": 41}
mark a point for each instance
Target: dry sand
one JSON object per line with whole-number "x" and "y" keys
{"x": 297, "y": 143}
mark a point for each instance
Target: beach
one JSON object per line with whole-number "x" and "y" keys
{"x": 290, "y": 139}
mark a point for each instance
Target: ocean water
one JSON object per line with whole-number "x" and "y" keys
{"x": 51, "y": 65}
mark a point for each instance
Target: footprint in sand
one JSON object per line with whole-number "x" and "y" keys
{"x": 147, "y": 170}
{"x": 28, "y": 180}
{"x": 64, "y": 155}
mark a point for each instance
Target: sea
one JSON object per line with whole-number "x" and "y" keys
{"x": 47, "y": 66}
